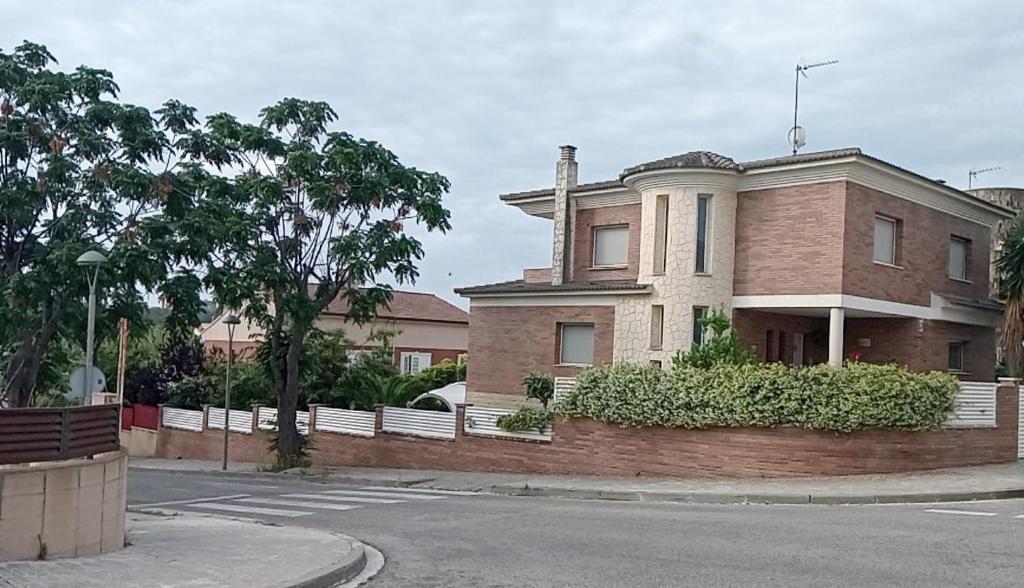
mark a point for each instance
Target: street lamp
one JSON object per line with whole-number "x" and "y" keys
{"x": 231, "y": 321}
{"x": 91, "y": 260}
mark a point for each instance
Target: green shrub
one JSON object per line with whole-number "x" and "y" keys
{"x": 856, "y": 396}
{"x": 527, "y": 418}
{"x": 721, "y": 344}
{"x": 436, "y": 376}
{"x": 540, "y": 387}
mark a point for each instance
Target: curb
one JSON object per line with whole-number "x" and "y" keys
{"x": 712, "y": 498}
{"x": 339, "y": 572}
{"x": 281, "y": 476}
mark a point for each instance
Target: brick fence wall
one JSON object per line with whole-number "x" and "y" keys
{"x": 586, "y": 447}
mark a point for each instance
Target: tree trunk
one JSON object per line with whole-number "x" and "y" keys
{"x": 289, "y": 445}
{"x": 23, "y": 368}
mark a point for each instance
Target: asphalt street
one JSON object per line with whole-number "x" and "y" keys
{"x": 432, "y": 538}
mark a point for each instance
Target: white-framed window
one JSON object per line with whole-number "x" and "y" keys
{"x": 611, "y": 246}
{"x": 958, "y": 249}
{"x": 703, "y": 263}
{"x": 576, "y": 344}
{"x": 699, "y": 312}
{"x": 657, "y": 325}
{"x": 885, "y": 239}
{"x": 956, "y": 356}
{"x": 413, "y": 362}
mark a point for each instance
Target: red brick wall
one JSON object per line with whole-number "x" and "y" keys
{"x": 922, "y": 345}
{"x": 586, "y": 447}
{"x": 583, "y": 242}
{"x": 508, "y": 342}
{"x": 789, "y": 240}
{"x": 922, "y": 252}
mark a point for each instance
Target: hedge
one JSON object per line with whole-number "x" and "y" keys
{"x": 856, "y": 396}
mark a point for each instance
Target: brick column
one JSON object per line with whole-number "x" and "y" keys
{"x": 378, "y": 419}
{"x": 206, "y": 417}
{"x": 159, "y": 417}
{"x": 312, "y": 417}
{"x": 256, "y": 417}
{"x": 460, "y": 420}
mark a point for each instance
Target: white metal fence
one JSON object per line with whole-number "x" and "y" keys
{"x": 179, "y": 418}
{"x": 423, "y": 423}
{"x": 240, "y": 421}
{"x": 484, "y": 421}
{"x": 563, "y": 386}
{"x": 352, "y": 422}
{"x": 975, "y": 406}
{"x": 266, "y": 419}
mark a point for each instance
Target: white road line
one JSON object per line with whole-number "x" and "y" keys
{"x": 190, "y": 501}
{"x": 298, "y": 503}
{"x": 343, "y": 498}
{"x": 423, "y": 490}
{"x": 973, "y": 513}
{"x": 274, "y": 512}
{"x": 385, "y": 494}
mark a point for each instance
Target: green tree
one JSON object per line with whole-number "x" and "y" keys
{"x": 1010, "y": 272}
{"x": 78, "y": 171}
{"x": 721, "y": 344}
{"x": 310, "y": 216}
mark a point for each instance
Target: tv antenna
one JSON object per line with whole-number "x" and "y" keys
{"x": 974, "y": 173}
{"x": 797, "y": 135}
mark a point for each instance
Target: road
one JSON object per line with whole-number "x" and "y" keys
{"x": 475, "y": 540}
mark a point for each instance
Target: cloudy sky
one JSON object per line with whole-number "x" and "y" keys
{"x": 484, "y": 93}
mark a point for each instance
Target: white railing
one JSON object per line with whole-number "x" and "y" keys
{"x": 241, "y": 421}
{"x": 266, "y": 420}
{"x": 484, "y": 421}
{"x": 179, "y": 418}
{"x": 352, "y": 422}
{"x": 423, "y": 423}
{"x": 563, "y": 386}
{"x": 975, "y": 406}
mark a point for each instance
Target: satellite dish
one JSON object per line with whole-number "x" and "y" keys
{"x": 79, "y": 385}
{"x": 797, "y": 137}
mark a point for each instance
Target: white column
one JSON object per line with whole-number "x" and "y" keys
{"x": 836, "y": 318}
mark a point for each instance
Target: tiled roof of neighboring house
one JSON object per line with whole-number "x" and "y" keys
{"x": 692, "y": 159}
{"x": 521, "y": 287}
{"x": 416, "y": 306}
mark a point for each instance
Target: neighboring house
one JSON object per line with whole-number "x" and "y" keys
{"x": 427, "y": 330}
{"x": 817, "y": 257}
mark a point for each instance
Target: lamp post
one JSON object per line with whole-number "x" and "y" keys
{"x": 91, "y": 260}
{"x": 231, "y": 321}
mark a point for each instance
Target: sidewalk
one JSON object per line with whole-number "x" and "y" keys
{"x": 951, "y": 485}
{"x": 202, "y": 551}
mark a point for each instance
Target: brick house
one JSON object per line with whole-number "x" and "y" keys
{"x": 817, "y": 257}
{"x": 427, "y": 330}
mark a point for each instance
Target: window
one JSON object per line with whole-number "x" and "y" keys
{"x": 699, "y": 312}
{"x": 956, "y": 356}
{"x": 703, "y": 210}
{"x": 577, "y": 344}
{"x": 656, "y": 363}
{"x": 885, "y": 239}
{"x": 958, "y": 249}
{"x": 660, "y": 233}
{"x": 414, "y": 362}
{"x": 611, "y": 246}
{"x": 657, "y": 325}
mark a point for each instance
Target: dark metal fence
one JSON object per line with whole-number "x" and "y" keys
{"x": 50, "y": 434}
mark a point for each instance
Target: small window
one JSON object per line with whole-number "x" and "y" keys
{"x": 660, "y": 233}
{"x": 699, "y": 312}
{"x": 657, "y": 325}
{"x": 577, "y": 344}
{"x": 885, "y": 239}
{"x": 958, "y": 249}
{"x": 413, "y": 362}
{"x": 611, "y": 246}
{"x": 703, "y": 210}
{"x": 956, "y": 356}
{"x": 656, "y": 363}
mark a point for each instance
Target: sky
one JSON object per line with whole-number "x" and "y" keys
{"x": 485, "y": 92}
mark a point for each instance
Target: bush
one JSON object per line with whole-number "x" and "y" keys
{"x": 856, "y": 396}
{"x": 540, "y": 387}
{"x": 721, "y": 344}
{"x": 436, "y": 376}
{"x": 527, "y": 418}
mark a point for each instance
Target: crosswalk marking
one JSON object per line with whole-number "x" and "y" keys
{"x": 422, "y": 490}
{"x": 274, "y": 512}
{"x": 344, "y": 498}
{"x": 385, "y": 494}
{"x": 298, "y": 503}
{"x": 974, "y": 513}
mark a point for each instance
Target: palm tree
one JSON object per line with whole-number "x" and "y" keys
{"x": 1010, "y": 270}
{"x": 389, "y": 391}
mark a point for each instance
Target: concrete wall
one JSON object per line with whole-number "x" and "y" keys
{"x": 587, "y": 447}
{"x": 63, "y": 509}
